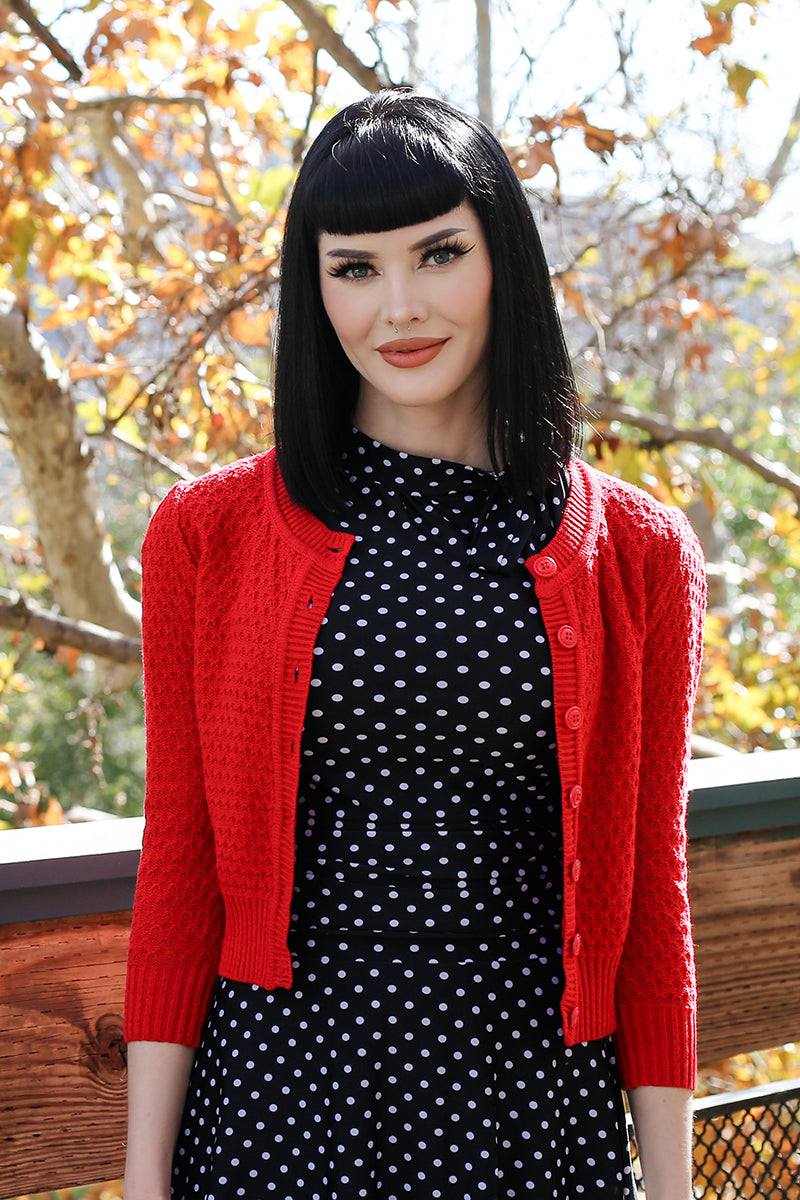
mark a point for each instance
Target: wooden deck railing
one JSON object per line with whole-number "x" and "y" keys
{"x": 65, "y": 895}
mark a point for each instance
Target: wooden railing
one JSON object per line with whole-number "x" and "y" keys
{"x": 65, "y": 896}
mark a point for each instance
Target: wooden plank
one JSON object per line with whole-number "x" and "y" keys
{"x": 746, "y": 905}
{"x": 62, "y": 1063}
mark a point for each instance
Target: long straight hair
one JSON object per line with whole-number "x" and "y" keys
{"x": 397, "y": 159}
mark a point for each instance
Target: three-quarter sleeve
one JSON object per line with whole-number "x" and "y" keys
{"x": 178, "y": 915}
{"x": 655, "y": 991}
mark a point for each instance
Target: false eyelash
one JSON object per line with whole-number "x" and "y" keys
{"x": 346, "y": 265}
{"x": 455, "y": 245}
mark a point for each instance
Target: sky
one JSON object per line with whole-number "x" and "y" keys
{"x": 578, "y": 58}
{"x": 575, "y": 57}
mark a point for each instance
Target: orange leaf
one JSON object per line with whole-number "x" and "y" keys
{"x": 96, "y": 370}
{"x": 542, "y": 125}
{"x": 697, "y": 355}
{"x": 52, "y": 815}
{"x": 250, "y": 329}
{"x": 296, "y": 63}
{"x": 529, "y": 159}
{"x": 68, "y": 657}
{"x": 67, "y": 316}
{"x": 721, "y": 33}
{"x": 372, "y": 7}
{"x": 599, "y": 141}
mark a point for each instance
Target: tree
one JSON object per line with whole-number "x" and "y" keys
{"x": 143, "y": 175}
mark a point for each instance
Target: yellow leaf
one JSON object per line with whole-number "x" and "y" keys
{"x": 740, "y": 79}
{"x": 28, "y": 582}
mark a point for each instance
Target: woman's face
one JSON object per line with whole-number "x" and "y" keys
{"x": 412, "y": 310}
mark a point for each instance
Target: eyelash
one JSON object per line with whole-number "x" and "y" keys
{"x": 456, "y": 247}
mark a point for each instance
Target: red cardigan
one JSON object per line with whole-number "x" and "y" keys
{"x": 236, "y": 581}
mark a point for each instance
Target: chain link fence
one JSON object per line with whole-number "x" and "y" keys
{"x": 746, "y": 1145}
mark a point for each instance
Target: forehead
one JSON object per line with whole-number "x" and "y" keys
{"x": 406, "y": 237}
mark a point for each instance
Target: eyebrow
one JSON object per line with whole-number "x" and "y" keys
{"x": 422, "y": 244}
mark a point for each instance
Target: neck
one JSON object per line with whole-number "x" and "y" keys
{"x": 428, "y": 434}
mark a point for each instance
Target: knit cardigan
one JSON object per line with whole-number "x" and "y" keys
{"x": 237, "y": 579}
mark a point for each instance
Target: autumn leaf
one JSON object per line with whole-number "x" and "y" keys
{"x": 599, "y": 141}
{"x": 372, "y": 7}
{"x": 721, "y": 32}
{"x": 697, "y": 355}
{"x": 98, "y": 370}
{"x": 296, "y": 61}
{"x": 49, "y": 812}
{"x": 117, "y": 30}
{"x": 251, "y": 329}
{"x": 529, "y": 159}
{"x": 740, "y": 79}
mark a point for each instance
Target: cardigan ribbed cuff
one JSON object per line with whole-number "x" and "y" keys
{"x": 657, "y": 1046}
{"x": 167, "y": 1002}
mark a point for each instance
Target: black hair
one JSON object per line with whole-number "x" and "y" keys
{"x": 390, "y": 160}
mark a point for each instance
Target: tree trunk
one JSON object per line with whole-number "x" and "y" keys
{"x": 484, "y": 52}
{"x": 55, "y": 461}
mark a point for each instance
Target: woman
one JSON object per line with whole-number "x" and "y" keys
{"x": 419, "y": 687}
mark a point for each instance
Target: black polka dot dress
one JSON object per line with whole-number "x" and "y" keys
{"x": 419, "y": 1052}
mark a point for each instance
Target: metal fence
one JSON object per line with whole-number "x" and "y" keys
{"x": 746, "y": 1144}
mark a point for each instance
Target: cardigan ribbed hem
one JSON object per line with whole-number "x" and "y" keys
{"x": 170, "y": 1001}
{"x": 656, "y": 1045}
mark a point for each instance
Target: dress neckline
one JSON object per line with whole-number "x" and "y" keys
{"x": 414, "y": 474}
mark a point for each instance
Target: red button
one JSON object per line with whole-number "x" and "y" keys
{"x": 573, "y": 1017}
{"x": 575, "y": 796}
{"x": 576, "y": 870}
{"x": 577, "y": 944}
{"x": 567, "y": 637}
{"x": 573, "y": 717}
{"x": 545, "y": 567}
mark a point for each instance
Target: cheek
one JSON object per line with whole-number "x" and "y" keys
{"x": 344, "y": 309}
{"x": 477, "y": 308}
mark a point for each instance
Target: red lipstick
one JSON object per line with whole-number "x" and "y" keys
{"x": 410, "y": 352}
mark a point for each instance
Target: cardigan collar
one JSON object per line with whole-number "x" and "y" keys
{"x": 573, "y": 545}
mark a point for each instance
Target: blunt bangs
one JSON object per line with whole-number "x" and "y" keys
{"x": 382, "y": 177}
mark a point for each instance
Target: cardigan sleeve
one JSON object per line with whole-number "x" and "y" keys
{"x": 656, "y": 1037}
{"x": 177, "y": 916}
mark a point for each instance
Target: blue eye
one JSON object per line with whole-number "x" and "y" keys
{"x": 351, "y": 270}
{"x": 442, "y": 256}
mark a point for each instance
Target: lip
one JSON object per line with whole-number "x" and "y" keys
{"x": 411, "y": 352}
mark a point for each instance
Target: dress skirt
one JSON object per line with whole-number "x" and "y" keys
{"x": 419, "y": 1051}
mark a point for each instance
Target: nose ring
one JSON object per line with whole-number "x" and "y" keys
{"x": 394, "y": 327}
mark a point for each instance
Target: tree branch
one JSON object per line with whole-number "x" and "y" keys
{"x": 62, "y": 56}
{"x": 158, "y": 384}
{"x": 325, "y": 37}
{"x": 53, "y": 629}
{"x": 151, "y": 455}
{"x": 778, "y": 167}
{"x": 664, "y": 433}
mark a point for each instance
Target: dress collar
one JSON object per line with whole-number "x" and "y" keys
{"x": 414, "y": 474}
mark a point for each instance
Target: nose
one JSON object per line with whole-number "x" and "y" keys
{"x": 403, "y": 304}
